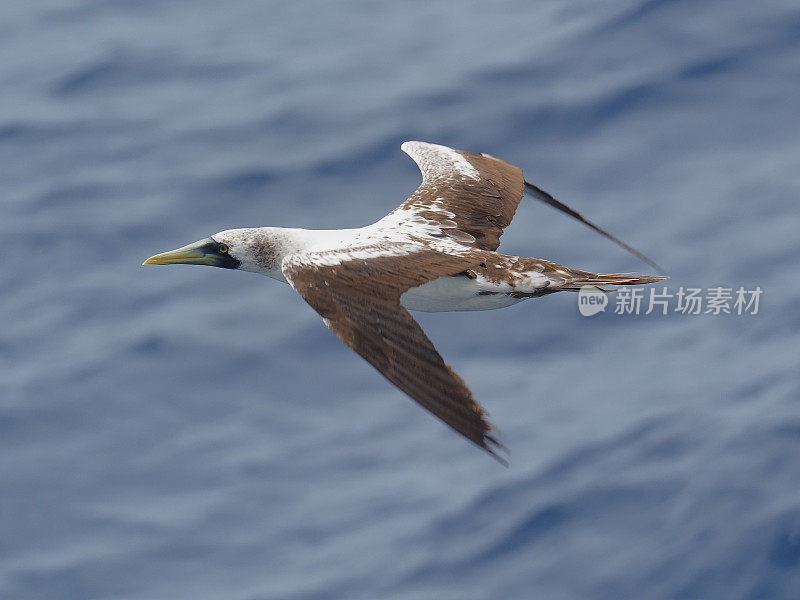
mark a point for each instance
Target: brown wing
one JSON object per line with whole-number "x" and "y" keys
{"x": 471, "y": 197}
{"x": 359, "y": 300}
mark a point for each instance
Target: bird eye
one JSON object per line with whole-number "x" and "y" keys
{"x": 222, "y": 248}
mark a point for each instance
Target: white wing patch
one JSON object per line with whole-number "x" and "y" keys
{"x": 440, "y": 232}
{"x": 439, "y": 162}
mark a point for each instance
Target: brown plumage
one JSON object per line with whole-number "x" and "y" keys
{"x": 480, "y": 208}
{"x": 359, "y": 300}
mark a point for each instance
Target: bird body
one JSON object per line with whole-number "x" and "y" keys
{"x": 435, "y": 252}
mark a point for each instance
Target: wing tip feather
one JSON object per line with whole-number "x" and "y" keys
{"x": 548, "y": 198}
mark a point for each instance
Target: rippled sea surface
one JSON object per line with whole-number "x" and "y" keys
{"x": 197, "y": 433}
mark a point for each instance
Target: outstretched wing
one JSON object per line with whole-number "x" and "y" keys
{"x": 357, "y": 293}
{"x": 470, "y": 199}
{"x": 464, "y": 197}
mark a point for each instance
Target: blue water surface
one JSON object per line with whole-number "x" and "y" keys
{"x": 197, "y": 433}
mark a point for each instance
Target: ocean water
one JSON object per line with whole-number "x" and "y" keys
{"x": 197, "y": 433}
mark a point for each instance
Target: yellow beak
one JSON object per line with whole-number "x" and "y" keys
{"x": 198, "y": 253}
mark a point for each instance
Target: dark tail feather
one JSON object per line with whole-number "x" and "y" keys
{"x": 608, "y": 279}
{"x": 540, "y": 194}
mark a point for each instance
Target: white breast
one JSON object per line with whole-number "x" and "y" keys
{"x": 457, "y": 293}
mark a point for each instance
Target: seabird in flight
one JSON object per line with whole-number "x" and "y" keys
{"x": 434, "y": 252}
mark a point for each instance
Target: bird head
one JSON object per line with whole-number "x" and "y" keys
{"x": 253, "y": 249}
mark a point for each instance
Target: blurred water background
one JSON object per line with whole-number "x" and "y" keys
{"x": 197, "y": 433}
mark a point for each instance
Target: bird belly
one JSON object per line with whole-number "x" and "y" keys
{"x": 459, "y": 292}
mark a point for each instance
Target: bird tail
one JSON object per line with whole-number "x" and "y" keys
{"x": 600, "y": 279}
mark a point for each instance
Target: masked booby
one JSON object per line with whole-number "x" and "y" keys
{"x": 435, "y": 252}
